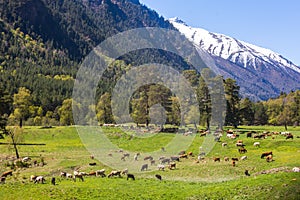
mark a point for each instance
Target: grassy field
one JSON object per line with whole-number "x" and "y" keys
{"x": 64, "y": 151}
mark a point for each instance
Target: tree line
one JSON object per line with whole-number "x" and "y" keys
{"x": 156, "y": 103}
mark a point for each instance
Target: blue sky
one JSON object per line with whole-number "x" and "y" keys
{"x": 271, "y": 24}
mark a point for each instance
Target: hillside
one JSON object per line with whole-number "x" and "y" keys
{"x": 43, "y": 42}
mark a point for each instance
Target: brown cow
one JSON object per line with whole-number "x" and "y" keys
{"x": 217, "y": 159}
{"x": 172, "y": 166}
{"x": 242, "y": 150}
{"x": 7, "y": 173}
{"x": 266, "y": 154}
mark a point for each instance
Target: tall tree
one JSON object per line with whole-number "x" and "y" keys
{"x": 5, "y": 102}
{"x": 22, "y": 102}
{"x": 246, "y": 112}
{"x": 233, "y": 100}
{"x": 260, "y": 115}
{"x": 204, "y": 102}
{"x": 103, "y": 108}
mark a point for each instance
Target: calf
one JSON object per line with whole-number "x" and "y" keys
{"x": 226, "y": 159}
{"x": 166, "y": 160}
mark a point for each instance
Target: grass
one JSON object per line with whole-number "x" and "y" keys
{"x": 205, "y": 180}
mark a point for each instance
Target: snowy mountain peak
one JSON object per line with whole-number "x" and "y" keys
{"x": 260, "y": 72}
{"x": 239, "y": 52}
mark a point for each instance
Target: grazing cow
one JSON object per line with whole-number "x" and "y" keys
{"x": 190, "y": 153}
{"x": 80, "y": 176}
{"x": 217, "y": 159}
{"x": 92, "y": 164}
{"x": 249, "y": 134}
{"x": 144, "y": 167}
{"x": 233, "y": 163}
{"x": 130, "y": 176}
{"x": 126, "y": 155}
{"x": 53, "y": 180}
{"x": 175, "y": 158}
{"x": 256, "y": 144}
{"x": 238, "y": 144}
{"x": 242, "y": 150}
{"x": 269, "y": 158}
{"x": 247, "y": 173}
{"x": 161, "y": 167}
{"x": 266, "y": 154}
{"x": 289, "y": 136}
{"x": 243, "y": 157}
{"x": 183, "y": 156}
{"x": 166, "y": 160}
{"x": 101, "y": 173}
{"x": 234, "y": 159}
{"x": 158, "y": 177}
{"x": 68, "y": 175}
{"x": 172, "y": 166}
{"x": 114, "y": 173}
{"x": 135, "y": 157}
{"x": 296, "y": 169}
{"x": 148, "y": 158}
{"x": 39, "y": 179}
{"x": 224, "y": 144}
{"x": 7, "y": 173}
{"x": 226, "y": 159}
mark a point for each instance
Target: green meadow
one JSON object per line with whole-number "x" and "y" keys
{"x": 64, "y": 151}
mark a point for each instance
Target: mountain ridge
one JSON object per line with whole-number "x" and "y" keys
{"x": 236, "y": 59}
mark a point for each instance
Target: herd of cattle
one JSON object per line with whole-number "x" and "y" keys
{"x": 162, "y": 163}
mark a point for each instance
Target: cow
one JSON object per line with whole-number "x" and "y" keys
{"x": 175, "y": 158}
{"x": 226, "y": 159}
{"x": 144, "y": 167}
{"x": 242, "y": 150}
{"x": 217, "y": 159}
{"x": 161, "y": 167}
{"x": 247, "y": 173}
{"x": 243, "y": 157}
{"x": 256, "y": 144}
{"x": 158, "y": 177}
{"x": 39, "y": 179}
{"x": 114, "y": 173}
{"x": 53, "y": 180}
{"x": 224, "y": 144}
{"x": 7, "y": 173}
{"x": 289, "y": 136}
{"x": 269, "y": 158}
{"x": 172, "y": 166}
{"x": 130, "y": 176}
{"x": 266, "y": 154}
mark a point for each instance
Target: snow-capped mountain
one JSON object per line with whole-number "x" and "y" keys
{"x": 260, "y": 72}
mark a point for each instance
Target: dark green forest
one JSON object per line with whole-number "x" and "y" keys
{"x": 43, "y": 42}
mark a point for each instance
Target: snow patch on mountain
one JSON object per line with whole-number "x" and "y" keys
{"x": 236, "y": 51}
